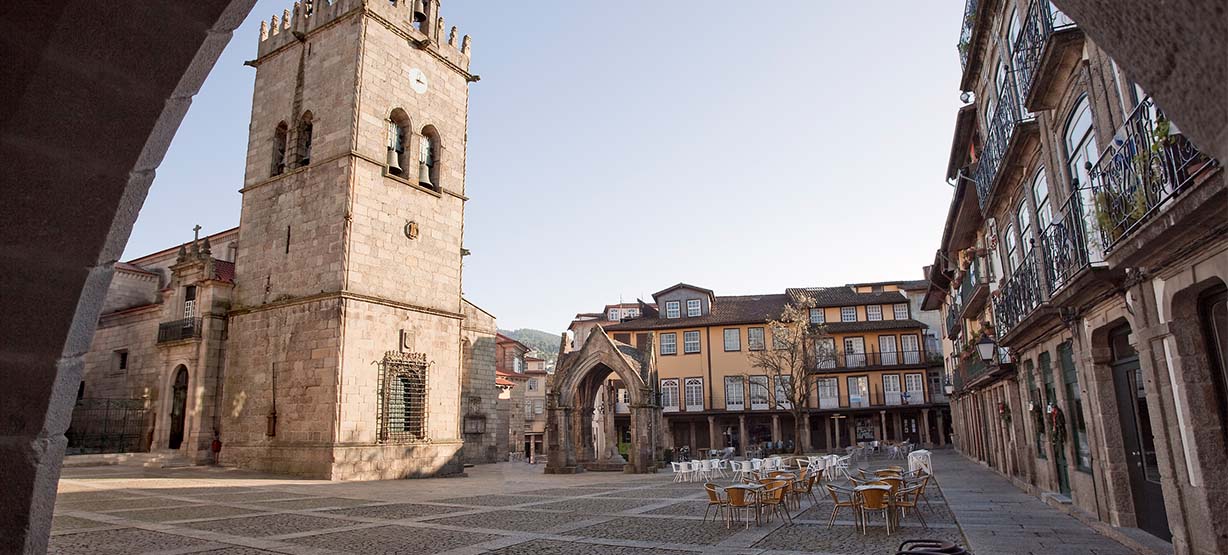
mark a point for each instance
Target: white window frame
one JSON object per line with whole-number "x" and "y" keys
{"x": 817, "y": 316}
{"x": 779, "y": 391}
{"x": 1040, "y": 197}
{"x": 532, "y": 384}
{"x": 829, "y": 393}
{"x": 1023, "y": 215}
{"x": 826, "y": 353}
{"x": 848, "y": 314}
{"x": 687, "y": 342}
{"x": 673, "y": 309}
{"x": 910, "y": 347}
{"x": 754, "y": 344}
{"x": 874, "y": 312}
{"x": 735, "y": 393}
{"x": 669, "y": 395}
{"x": 694, "y": 308}
{"x": 901, "y": 311}
{"x": 693, "y": 389}
{"x": 669, "y": 347}
{"x": 758, "y": 384}
{"x": 914, "y": 386}
{"x": 736, "y": 344}
{"x": 612, "y": 315}
{"x": 892, "y": 389}
{"x": 854, "y": 352}
{"x": 888, "y": 350}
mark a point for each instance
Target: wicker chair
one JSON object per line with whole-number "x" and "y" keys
{"x": 849, "y": 500}
{"x": 744, "y": 501}
{"x": 906, "y": 502}
{"x": 775, "y": 498}
{"x": 806, "y": 487}
{"x": 715, "y": 499}
{"x": 875, "y": 500}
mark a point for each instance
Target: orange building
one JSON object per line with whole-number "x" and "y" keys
{"x": 877, "y": 385}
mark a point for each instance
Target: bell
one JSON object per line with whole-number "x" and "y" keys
{"x": 394, "y": 162}
{"x": 419, "y": 11}
{"x": 424, "y": 175}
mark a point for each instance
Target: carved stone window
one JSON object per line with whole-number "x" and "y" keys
{"x": 402, "y": 398}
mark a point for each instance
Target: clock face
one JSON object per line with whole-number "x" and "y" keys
{"x": 417, "y": 80}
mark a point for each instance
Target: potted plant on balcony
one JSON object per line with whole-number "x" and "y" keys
{"x": 1004, "y": 412}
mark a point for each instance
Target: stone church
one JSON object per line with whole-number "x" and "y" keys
{"x": 326, "y": 336}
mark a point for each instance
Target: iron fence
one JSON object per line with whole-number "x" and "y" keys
{"x": 1008, "y": 114}
{"x": 109, "y": 426}
{"x": 1041, "y": 22}
{"x": 176, "y": 330}
{"x": 1019, "y": 296}
{"x": 1064, "y": 243}
{"x": 1148, "y": 165}
{"x": 965, "y": 33}
{"x": 841, "y": 360}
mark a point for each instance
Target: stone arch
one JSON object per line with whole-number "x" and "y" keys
{"x": 574, "y": 385}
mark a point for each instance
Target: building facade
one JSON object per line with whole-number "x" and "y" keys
{"x": 535, "y": 407}
{"x": 325, "y": 337}
{"x": 875, "y": 385}
{"x": 510, "y": 365}
{"x": 1082, "y": 273}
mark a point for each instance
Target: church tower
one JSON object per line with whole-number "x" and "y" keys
{"x": 344, "y": 349}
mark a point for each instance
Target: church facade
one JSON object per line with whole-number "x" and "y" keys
{"x": 327, "y": 337}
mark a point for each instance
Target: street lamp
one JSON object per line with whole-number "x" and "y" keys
{"x": 948, "y": 387}
{"x": 986, "y": 347}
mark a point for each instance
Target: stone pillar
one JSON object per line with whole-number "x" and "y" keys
{"x": 775, "y": 428}
{"x": 743, "y": 437}
{"x": 882, "y": 418}
{"x": 835, "y": 425}
{"x": 827, "y": 425}
{"x": 925, "y": 428}
{"x": 560, "y": 451}
{"x": 667, "y": 433}
{"x": 713, "y": 434}
{"x": 897, "y": 424}
{"x": 694, "y": 447}
{"x": 852, "y": 429}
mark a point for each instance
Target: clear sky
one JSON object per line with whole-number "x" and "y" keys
{"x": 617, "y": 148}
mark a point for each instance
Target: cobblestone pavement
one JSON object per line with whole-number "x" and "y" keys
{"x": 512, "y": 508}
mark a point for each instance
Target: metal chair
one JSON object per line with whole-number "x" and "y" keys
{"x": 715, "y": 499}
{"x": 850, "y": 501}
{"x": 876, "y": 500}
{"x": 744, "y": 500}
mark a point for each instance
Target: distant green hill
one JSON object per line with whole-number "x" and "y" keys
{"x": 545, "y": 343}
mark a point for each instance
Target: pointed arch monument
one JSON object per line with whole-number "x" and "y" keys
{"x": 570, "y": 397}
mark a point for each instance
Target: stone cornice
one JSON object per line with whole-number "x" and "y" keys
{"x": 346, "y": 296}
{"x": 353, "y": 154}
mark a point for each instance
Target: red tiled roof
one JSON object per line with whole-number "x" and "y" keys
{"x": 127, "y": 267}
{"x": 743, "y": 309}
{"x": 223, "y": 271}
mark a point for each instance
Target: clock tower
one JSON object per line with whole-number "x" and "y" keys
{"x": 344, "y": 348}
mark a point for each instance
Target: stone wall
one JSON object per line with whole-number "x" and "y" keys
{"x": 479, "y": 395}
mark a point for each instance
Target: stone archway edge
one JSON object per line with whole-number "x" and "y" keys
{"x": 118, "y": 80}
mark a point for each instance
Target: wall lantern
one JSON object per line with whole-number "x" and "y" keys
{"x": 948, "y": 387}
{"x": 986, "y": 347}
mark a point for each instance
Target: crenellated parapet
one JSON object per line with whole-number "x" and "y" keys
{"x": 418, "y": 21}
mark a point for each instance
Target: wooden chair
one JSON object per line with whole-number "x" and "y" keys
{"x": 920, "y": 487}
{"x": 744, "y": 501}
{"x": 850, "y": 501}
{"x": 774, "y": 497}
{"x": 716, "y": 500}
{"x": 894, "y": 481}
{"x": 876, "y": 500}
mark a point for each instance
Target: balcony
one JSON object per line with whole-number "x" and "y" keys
{"x": 1145, "y": 168}
{"x": 1064, "y": 244}
{"x": 973, "y": 288}
{"x": 844, "y": 361}
{"x": 965, "y": 33}
{"x": 1019, "y": 296}
{"x": 1048, "y": 47}
{"x": 971, "y": 367}
{"x": 1010, "y": 126}
{"x": 178, "y": 330}
{"x": 955, "y": 322}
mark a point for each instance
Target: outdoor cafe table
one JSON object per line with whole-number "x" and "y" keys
{"x": 920, "y": 459}
{"x": 752, "y": 488}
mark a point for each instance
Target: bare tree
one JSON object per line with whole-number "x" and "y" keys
{"x": 796, "y": 351}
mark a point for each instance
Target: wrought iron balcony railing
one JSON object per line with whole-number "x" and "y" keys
{"x": 1042, "y": 21}
{"x": 1008, "y": 114}
{"x": 965, "y": 33}
{"x": 187, "y": 328}
{"x": 1019, "y": 296}
{"x": 1065, "y": 244}
{"x": 1147, "y": 165}
{"x": 842, "y": 360}
{"x": 955, "y": 321}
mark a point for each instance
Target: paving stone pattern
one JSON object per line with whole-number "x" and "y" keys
{"x": 512, "y": 508}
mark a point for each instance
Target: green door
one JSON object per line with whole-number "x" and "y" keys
{"x": 1059, "y": 450}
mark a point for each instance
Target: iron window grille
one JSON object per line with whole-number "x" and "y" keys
{"x": 403, "y": 398}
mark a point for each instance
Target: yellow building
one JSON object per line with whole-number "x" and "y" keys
{"x": 875, "y": 386}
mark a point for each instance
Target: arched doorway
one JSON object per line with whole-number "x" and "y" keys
{"x": 583, "y": 405}
{"x": 179, "y": 407}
